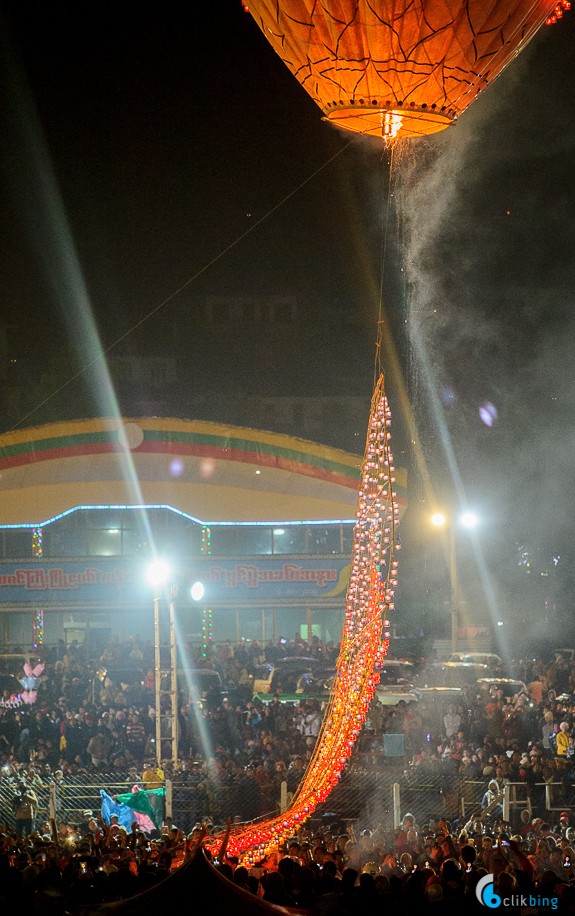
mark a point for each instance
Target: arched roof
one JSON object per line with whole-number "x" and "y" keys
{"x": 210, "y": 471}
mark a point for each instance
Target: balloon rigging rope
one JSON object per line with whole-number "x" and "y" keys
{"x": 385, "y": 209}
{"x": 202, "y": 270}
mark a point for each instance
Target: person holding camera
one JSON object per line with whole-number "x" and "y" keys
{"x": 25, "y": 807}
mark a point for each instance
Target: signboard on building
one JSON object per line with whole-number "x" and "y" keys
{"x": 114, "y": 581}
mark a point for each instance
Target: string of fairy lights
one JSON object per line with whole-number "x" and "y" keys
{"x": 207, "y": 618}
{"x": 364, "y": 644}
{"x": 38, "y": 619}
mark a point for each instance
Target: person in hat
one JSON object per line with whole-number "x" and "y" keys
{"x": 525, "y": 827}
{"x": 134, "y": 774}
{"x": 115, "y": 831}
{"x": 492, "y": 809}
{"x": 152, "y": 776}
{"x": 563, "y": 740}
{"x": 84, "y": 826}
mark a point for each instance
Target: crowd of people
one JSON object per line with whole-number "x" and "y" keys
{"x": 414, "y": 869}
{"x": 329, "y": 872}
{"x": 84, "y": 722}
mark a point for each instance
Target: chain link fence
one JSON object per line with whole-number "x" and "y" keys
{"x": 362, "y": 797}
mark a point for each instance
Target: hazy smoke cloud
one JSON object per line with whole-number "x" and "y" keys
{"x": 484, "y": 214}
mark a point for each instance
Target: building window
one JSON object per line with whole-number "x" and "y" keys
{"x": 291, "y": 539}
{"x": 16, "y": 543}
{"x": 105, "y": 542}
{"x": 255, "y": 541}
{"x": 324, "y": 540}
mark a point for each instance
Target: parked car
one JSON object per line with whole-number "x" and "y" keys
{"x": 494, "y": 662}
{"x": 396, "y": 683}
{"x": 130, "y": 679}
{"x": 451, "y": 674}
{"x": 391, "y": 695}
{"x": 397, "y": 671}
{"x": 566, "y": 654}
{"x": 510, "y": 686}
{"x": 282, "y": 675}
{"x": 293, "y": 680}
{"x": 121, "y": 675}
{"x": 200, "y": 685}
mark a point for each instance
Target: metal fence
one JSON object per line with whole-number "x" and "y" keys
{"x": 362, "y": 797}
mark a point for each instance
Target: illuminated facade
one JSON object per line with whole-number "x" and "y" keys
{"x": 264, "y": 521}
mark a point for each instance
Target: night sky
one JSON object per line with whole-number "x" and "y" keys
{"x": 153, "y": 148}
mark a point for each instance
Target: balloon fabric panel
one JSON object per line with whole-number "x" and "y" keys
{"x": 402, "y": 69}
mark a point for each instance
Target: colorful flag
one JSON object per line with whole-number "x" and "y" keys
{"x": 146, "y": 801}
{"x": 109, "y": 807}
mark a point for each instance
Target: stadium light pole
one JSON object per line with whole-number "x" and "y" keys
{"x": 465, "y": 520}
{"x": 158, "y": 574}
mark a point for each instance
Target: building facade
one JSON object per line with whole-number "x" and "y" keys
{"x": 260, "y": 524}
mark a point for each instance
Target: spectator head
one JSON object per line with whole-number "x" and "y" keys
{"x": 506, "y": 884}
{"x": 451, "y": 870}
{"x": 434, "y": 891}
{"x": 468, "y": 854}
{"x": 405, "y": 862}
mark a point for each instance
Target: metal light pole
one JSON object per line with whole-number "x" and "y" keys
{"x": 166, "y": 723}
{"x": 467, "y": 520}
{"x": 172, "y": 736}
{"x": 454, "y": 589}
{"x": 157, "y": 674}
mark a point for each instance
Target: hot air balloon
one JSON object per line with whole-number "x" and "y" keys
{"x": 398, "y": 68}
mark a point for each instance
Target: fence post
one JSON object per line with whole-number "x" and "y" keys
{"x": 506, "y": 803}
{"x": 548, "y": 796}
{"x": 396, "y": 805}
{"x": 169, "y": 797}
{"x": 52, "y": 802}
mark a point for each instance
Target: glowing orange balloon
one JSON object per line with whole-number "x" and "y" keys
{"x": 397, "y": 68}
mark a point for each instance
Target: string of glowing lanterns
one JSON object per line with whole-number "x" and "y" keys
{"x": 557, "y": 13}
{"x": 38, "y": 621}
{"x": 364, "y": 644}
